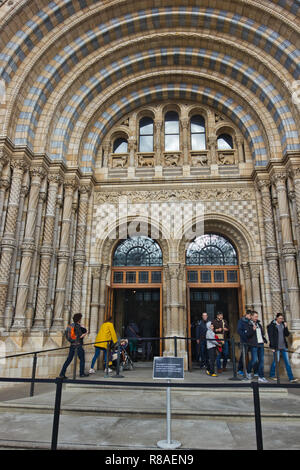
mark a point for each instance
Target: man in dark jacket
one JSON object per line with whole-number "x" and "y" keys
{"x": 278, "y": 332}
{"x": 201, "y": 330}
{"x": 132, "y": 333}
{"x": 256, "y": 339}
{"x": 242, "y": 329}
{"x": 147, "y": 332}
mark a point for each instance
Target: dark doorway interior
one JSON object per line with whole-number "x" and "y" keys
{"x": 212, "y": 301}
{"x": 140, "y": 306}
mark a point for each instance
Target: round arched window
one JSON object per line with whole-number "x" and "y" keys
{"x": 138, "y": 251}
{"x": 225, "y": 142}
{"x": 211, "y": 250}
{"x": 120, "y": 145}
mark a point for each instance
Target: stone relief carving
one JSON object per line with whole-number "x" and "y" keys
{"x": 172, "y": 159}
{"x": 146, "y": 160}
{"x": 119, "y": 161}
{"x": 199, "y": 159}
{"x": 226, "y": 158}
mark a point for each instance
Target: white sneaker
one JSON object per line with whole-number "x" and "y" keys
{"x": 92, "y": 371}
{"x": 109, "y": 370}
{"x": 262, "y": 380}
{"x": 249, "y": 376}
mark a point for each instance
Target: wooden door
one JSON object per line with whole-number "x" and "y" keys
{"x": 188, "y": 312}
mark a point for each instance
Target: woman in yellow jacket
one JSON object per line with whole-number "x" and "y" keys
{"x": 105, "y": 335}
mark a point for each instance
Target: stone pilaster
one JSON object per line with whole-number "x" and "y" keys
{"x": 255, "y": 270}
{"x": 103, "y": 285}
{"x": 55, "y": 180}
{"x": 70, "y": 185}
{"x": 95, "y": 299}
{"x": 28, "y": 247}
{"x": 185, "y": 140}
{"x": 212, "y": 146}
{"x": 158, "y": 129}
{"x": 9, "y": 238}
{"x": 248, "y": 286}
{"x": 239, "y": 144}
{"x": 288, "y": 248}
{"x": 295, "y": 175}
{"x": 271, "y": 250}
{"x": 79, "y": 258}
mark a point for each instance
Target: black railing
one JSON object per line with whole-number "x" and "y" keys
{"x": 59, "y": 389}
{"x": 175, "y": 340}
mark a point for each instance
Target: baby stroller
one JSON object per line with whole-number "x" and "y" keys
{"x": 125, "y": 360}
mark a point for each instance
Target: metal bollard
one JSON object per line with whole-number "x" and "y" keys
{"x": 56, "y": 416}
{"x": 175, "y": 346}
{"x": 235, "y": 377}
{"x": 33, "y": 374}
{"x": 258, "y": 427}
{"x": 244, "y": 359}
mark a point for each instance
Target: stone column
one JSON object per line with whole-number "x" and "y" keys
{"x": 173, "y": 306}
{"x": 239, "y": 144}
{"x": 158, "y": 128}
{"x": 79, "y": 258}
{"x": 295, "y": 174}
{"x": 95, "y": 300}
{"x": 288, "y": 249}
{"x": 248, "y": 286}
{"x": 131, "y": 150}
{"x": 27, "y": 249}
{"x": 106, "y": 149}
{"x": 212, "y": 146}
{"x": 271, "y": 250}
{"x": 185, "y": 140}
{"x": 4, "y": 184}
{"x": 70, "y": 186}
{"x": 103, "y": 284}
{"x": 254, "y": 270}
{"x": 55, "y": 180}
{"x": 9, "y": 239}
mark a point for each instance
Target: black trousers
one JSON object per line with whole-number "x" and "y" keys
{"x": 212, "y": 354}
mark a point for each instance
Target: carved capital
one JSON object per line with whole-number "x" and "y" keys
{"x": 84, "y": 188}
{"x": 279, "y": 178}
{"x": 263, "y": 185}
{"x": 55, "y": 178}
{"x": 38, "y": 172}
{"x": 20, "y": 164}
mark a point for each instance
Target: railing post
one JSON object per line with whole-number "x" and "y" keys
{"x": 75, "y": 363}
{"x": 175, "y": 346}
{"x": 244, "y": 360}
{"x": 56, "y": 416}
{"x": 33, "y": 375}
{"x": 107, "y": 361}
{"x": 233, "y": 360}
{"x": 258, "y": 427}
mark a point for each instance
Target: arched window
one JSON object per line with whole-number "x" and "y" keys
{"x": 172, "y": 132}
{"x": 120, "y": 145}
{"x": 146, "y": 135}
{"x": 198, "y": 141}
{"x": 225, "y": 142}
{"x": 138, "y": 251}
{"x": 211, "y": 250}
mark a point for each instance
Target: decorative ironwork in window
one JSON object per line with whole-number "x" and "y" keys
{"x": 198, "y": 133}
{"x": 146, "y": 135}
{"x": 211, "y": 250}
{"x": 138, "y": 251}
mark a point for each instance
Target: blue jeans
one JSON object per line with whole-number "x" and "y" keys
{"x": 203, "y": 357}
{"x": 257, "y": 360}
{"x": 96, "y": 355}
{"x": 288, "y": 368}
{"x": 80, "y": 353}
{"x": 223, "y": 354}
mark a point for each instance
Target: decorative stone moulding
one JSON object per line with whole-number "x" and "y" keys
{"x": 119, "y": 160}
{"x": 146, "y": 160}
{"x": 199, "y": 158}
{"x": 172, "y": 159}
{"x": 226, "y": 157}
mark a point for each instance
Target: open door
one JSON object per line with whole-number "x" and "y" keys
{"x": 160, "y": 321}
{"x": 188, "y": 312}
{"x": 109, "y": 296}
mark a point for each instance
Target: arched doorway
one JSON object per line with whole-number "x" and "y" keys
{"x": 135, "y": 294}
{"x": 213, "y": 282}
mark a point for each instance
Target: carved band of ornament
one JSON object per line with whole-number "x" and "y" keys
{"x": 84, "y": 188}
{"x": 8, "y": 242}
{"x": 79, "y": 258}
{"x": 30, "y": 247}
{"x": 71, "y": 184}
{"x": 288, "y": 251}
{"x": 63, "y": 254}
{"x": 272, "y": 256}
{"x": 255, "y": 269}
{"x": 176, "y": 195}
{"x": 263, "y": 185}
{"x": 4, "y": 183}
{"x": 20, "y": 164}
{"x": 46, "y": 251}
{"x": 96, "y": 272}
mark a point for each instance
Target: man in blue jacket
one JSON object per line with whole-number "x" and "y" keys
{"x": 242, "y": 331}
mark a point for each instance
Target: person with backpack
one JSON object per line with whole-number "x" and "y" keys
{"x": 255, "y": 340}
{"x": 75, "y": 334}
{"x": 105, "y": 336}
{"x": 278, "y": 332}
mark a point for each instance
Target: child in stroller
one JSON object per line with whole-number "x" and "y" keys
{"x": 125, "y": 360}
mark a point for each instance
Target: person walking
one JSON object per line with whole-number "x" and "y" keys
{"x": 242, "y": 330}
{"x": 256, "y": 339}
{"x": 201, "y": 330}
{"x": 132, "y": 333}
{"x": 147, "y": 332}
{"x": 75, "y": 333}
{"x": 278, "y": 332}
{"x": 222, "y": 330}
{"x": 105, "y": 335}
{"x": 212, "y": 347}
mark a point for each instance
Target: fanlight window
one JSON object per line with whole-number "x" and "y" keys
{"x": 198, "y": 141}
{"x": 171, "y": 132}
{"x": 120, "y": 145}
{"x": 146, "y": 135}
{"x": 225, "y": 142}
{"x": 138, "y": 251}
{"x": 211, "y": 250}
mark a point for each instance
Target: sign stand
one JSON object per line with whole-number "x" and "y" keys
{"x": 168, "y": 368}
